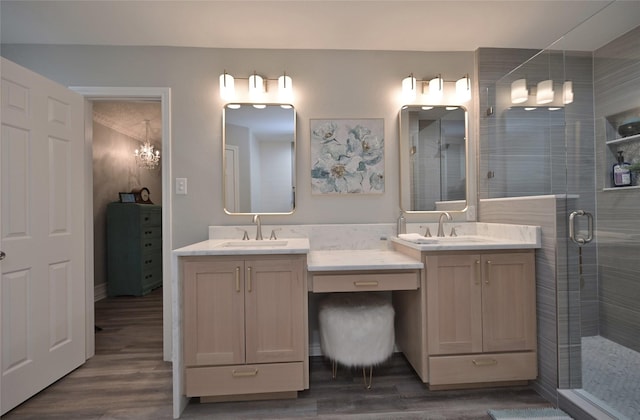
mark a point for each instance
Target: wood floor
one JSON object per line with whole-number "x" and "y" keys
{"x": 127, "y": 379}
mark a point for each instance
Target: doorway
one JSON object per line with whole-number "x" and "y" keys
{"x": 133, "y": 94}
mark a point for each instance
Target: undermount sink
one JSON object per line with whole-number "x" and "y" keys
{"x": 252, "y": 243}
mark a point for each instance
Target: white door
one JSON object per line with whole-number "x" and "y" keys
{"x": 42, "y": 287}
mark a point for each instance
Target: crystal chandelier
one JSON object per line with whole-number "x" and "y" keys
{"x": 146, "y": 157}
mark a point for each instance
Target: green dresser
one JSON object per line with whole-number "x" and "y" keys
{"x": 134, "y": 248}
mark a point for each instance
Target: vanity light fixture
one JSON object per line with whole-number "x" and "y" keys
{"x": 544, "y": 95}
{"x": 227, "y": 86}
{"x": 234, "y": 106}
{"x": 409, "y": 87}
{"x": 463, "y": 88}
{"x": 259, "y": 106}
{"x": 519, "y": 91}
{"x": 257, "y": 87}
{"x": 436, "y": 86}
{"x": 567, "y": 92}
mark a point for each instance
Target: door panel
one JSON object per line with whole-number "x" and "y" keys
{"x": 508, "y": 296}
{"x": 213, "y": 312}
{"x": 274, "y": 311}
{"x": 42, "y": 287}
{"x": 454, "y": 304}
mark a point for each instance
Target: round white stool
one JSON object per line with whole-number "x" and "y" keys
{"x": 356, "y": 330}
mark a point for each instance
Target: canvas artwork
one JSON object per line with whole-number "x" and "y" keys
{"x": 347, "y": 156}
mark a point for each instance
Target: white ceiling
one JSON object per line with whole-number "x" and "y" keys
{"x": 319, "y": 24}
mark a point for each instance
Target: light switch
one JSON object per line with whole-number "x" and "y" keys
{"x": 181, "y": 186}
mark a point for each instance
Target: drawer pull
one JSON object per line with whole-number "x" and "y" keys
{"x": 478, "y": 273}
{"x": 485, "y": 362}
{"x": 238, "y": 279}
{"x": 365, "y": 283}
{"x": 244, "y": 373}
{"x": 249, "y": 279}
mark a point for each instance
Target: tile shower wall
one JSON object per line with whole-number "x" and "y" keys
{"x": 617, "y": 89}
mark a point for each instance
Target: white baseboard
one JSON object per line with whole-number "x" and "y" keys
{"x": 99, "y": 291}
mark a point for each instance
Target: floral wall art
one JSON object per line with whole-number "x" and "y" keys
{"x": 347, "y": 156}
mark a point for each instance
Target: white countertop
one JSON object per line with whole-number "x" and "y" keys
{"x": 359, "y": 259}
{"x": 467, "y": 243}
{"x": 250, "y": 247}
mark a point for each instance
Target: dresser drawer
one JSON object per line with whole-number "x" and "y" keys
{"x": 359, "y": 282}
{"x": 151, "y": 218}
{"x": 445, "y": 370}
{"x": 151, "y": 232}
{"x": 245, "y": 379}
{"x": 150, "y": 244}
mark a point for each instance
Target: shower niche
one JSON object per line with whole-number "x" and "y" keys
{"x": 622, "y": 133}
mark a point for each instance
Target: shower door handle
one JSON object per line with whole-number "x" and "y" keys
{"x": 579, "y": 239}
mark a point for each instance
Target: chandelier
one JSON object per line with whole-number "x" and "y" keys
{"x": 146, "y": 157}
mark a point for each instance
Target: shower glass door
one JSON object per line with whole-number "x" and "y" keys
{"x": 587, "y": 296}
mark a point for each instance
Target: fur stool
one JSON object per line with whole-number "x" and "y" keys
{"x": 356, "y": 329}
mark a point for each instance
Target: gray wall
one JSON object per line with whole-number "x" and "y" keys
{"x": 327, "y": 84}
{"x": 617, "y": 89}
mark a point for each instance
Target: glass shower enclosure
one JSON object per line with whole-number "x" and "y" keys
{"x": 550, "y": 128}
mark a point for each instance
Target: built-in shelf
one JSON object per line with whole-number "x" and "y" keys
{"x": 633, "y": 187}
{"x": 624, "y": 139}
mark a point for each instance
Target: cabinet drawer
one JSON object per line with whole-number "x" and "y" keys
{"x": 444, "y": 370}
{"x": 150, "y": 244}
{"x": 151, "y": 218}
{"x": 151, "y": 232}
{"x": 244, "y": 379}
{"x": 365, "y": 282}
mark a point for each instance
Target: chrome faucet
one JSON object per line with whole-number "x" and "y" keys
{"x": 441, "y": 223}
{"x": 256, "y": 220}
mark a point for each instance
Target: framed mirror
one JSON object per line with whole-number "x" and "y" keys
{"x": 259, "y": 150}
{"x": 433, "y": 158}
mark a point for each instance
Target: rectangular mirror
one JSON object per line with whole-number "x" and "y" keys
{"x": 259, "y": 150}
{"x": 433, "y": 158}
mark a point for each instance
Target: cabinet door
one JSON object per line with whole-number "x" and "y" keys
{"x": 213, "y": 303}
{"x": 274, "y": 311}
{"x": 508, "y": 302}
{"x": 454, "y": 304}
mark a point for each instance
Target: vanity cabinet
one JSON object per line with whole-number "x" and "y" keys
{"x": 474, "y": 321}
{"x": 481, "y": 319}
{"x": 244, "y": 324}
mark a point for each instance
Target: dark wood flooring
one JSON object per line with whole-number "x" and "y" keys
{"x": 127, "y": 379}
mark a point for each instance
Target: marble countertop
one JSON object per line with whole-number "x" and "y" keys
{"x": 359, "y": 259}
{"x": 250, "y": 247}
{"x": 467, "y": 243}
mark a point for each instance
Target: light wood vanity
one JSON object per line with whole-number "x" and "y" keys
{"x": 465, "y": 315}
{"x": 473, "y": 321}
{"x": 244, "y": 325}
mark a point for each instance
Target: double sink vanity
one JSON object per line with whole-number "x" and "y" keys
{"x": 244, "y": 320}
